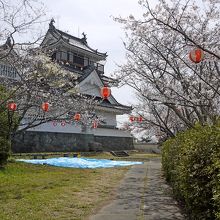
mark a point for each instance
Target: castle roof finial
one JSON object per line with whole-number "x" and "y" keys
{"x": 51, "y": 26}
{"x": 8, "y": 42}
{"x": 84, "y": 37}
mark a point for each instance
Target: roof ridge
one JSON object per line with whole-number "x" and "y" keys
{"x": 96, "y": 51}
{"x": 82, "y": 40}
{"x": 71, "y": 36}
{"x": 68, "y": 38}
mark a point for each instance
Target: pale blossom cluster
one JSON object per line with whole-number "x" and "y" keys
{"x": 174, "y": 92}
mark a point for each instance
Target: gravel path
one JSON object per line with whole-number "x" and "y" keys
{"x": 142, "y": 195}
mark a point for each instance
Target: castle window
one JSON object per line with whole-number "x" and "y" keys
{"x": 70, "y": 57}
{"x": 58, "y": 55}
{"x": 79, "y": 60}
{"x": 91, "y": 62}
{"x": 86, "y": 61}
{"x": 100, "y": 67}
{"x": 63, "y": 56}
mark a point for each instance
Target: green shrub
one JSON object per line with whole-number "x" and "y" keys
{"x": 191, "y": 162}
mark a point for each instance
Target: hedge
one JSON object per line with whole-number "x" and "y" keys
{"x": 191, "y": 163}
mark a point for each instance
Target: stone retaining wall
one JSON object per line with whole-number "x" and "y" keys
{"x": 115, "y": 143}
{"x": 32, "y": 141}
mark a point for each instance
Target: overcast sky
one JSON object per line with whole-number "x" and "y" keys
{"x": 95, "y": 18}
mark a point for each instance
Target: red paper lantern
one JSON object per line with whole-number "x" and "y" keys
{"x": 77, "y": 117}
{"x": 140, "y": 119}
{"x": 54, "y": 123}
{"x": 131, "y": 118}
{"x": 63, "y": 123}
{"x": 95, "y": 124}
{"x": 45, "y": 106}
{"x": 12, "y": 106}
{"x": 105, "y": 92}
{"x": 196, "y": 55}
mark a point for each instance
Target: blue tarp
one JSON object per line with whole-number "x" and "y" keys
{"x": 80, "y": 162}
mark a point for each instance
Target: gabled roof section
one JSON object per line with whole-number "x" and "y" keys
{"x": 86, "y": 72}
{"x": 106, "y": 104}
{"x": 80, "y": 43}
{"x": 111, "y": 102}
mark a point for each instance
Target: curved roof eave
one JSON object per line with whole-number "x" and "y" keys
{"x": 58, "y": 34}
{"x": 81, "y": 40}
{"x": 86, "y": 74}
{"x": 61, "y": 40}
{"x": 113, "y": 108}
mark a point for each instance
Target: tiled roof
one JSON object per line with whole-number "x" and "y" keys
{"x": 86, "y": 72}
{"x": 75, "y": 41}
{"x": 106, "y": 103}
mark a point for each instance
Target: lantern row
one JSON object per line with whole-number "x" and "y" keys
{"x": 133, "y": 119}
{"x": 105, "y": 93}
{"x": 64, "y": 122}
{"x": 13, "y": 106}
{"x": 45, "y": 107}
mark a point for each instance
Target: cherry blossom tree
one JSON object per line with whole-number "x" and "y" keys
{"x": 174, "y": 92}
{"x": 42, "y": 80}
{"x": 38, "y": 78}
{"x": 21, "y": 22}
{"x": 17, "y": 18}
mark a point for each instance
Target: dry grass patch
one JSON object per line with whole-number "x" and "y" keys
{"x": 39, "y": 192}
{"x": 133, "y": 156}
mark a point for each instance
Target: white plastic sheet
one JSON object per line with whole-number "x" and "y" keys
{"x": 80, "y": 162}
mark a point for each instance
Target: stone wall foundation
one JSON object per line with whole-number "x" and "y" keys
{"x": 33, "y": 141}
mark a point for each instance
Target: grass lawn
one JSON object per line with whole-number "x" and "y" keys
{"x": 39, "y": 192}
